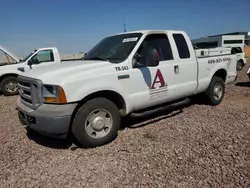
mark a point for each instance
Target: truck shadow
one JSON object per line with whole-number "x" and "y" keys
{"x": 127, "y": 122}
{"x": 133, "y": 122}
{"x": 243, "y": 84}
{"x": 48, "y": 141}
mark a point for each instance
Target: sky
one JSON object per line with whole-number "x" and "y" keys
{"x": 77, "y": 25}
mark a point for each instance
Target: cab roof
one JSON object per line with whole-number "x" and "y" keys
{"x": 148, "y": 31}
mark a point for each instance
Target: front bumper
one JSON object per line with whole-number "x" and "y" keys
{"x": 50, "y": 120}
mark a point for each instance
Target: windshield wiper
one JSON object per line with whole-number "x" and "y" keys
{"x": 97, "y": 58}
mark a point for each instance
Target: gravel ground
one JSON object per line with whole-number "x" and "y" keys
{"x": 200, "y": 146}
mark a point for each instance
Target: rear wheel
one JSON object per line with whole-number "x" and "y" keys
{"x": 96, "y": 123}
{"x": 215, "y": 91}
{"x": 9, "y": 85}
{"x": 239, "y": 65}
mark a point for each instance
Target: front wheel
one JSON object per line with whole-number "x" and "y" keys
{"x": 215, "y": 91}
{"x": 9, "y": 86}
{"x": 96, "y": 123}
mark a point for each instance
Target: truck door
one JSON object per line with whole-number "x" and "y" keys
{"x": 185, "y": 65}
{"x": 154, "y": 85}
{"x": 42, "y": 58}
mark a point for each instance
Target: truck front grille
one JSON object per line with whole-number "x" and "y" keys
{"x": 29, "y": 92}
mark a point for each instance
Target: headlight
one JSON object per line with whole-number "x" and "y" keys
{"x": 53, "y": 94}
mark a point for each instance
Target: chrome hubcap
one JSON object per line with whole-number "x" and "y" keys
{"x": 99, "y": 123}
{"x": 11, "y": 86}
{"x": 239, "y": 66}
{"x": 218, "y": 91}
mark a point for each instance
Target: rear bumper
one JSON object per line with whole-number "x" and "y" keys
{"x": 50, "y": 120}
{"x": 231, "y": 78}
{"x": 245, "y": 61}
{"x": 248, "y": 73}
{"x": 236, "y": 77}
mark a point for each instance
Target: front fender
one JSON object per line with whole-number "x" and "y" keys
{"x": 11, "y": 69}
{"x": 96, "y": 86}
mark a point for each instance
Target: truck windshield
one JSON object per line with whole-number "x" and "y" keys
{"x": 28, "y": 56}
{"x": 114, "y": 48}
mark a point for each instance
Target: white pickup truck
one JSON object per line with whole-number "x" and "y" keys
{"x": 16, "y": 66}
{"x": 125, "y": 74}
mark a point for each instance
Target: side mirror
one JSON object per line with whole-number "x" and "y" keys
{"x": 30, "y": 63}
{"x": 149, "y": 57}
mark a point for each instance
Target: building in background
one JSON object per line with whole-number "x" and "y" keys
{"x": 234, "y": 39}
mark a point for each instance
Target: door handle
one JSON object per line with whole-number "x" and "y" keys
{"x": 176, "y": 69}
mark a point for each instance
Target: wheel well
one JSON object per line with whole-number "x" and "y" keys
{"x": 222, "y": 74}
{"x": 241, "y": 60}
{"x": 6, "y": 75}
{"x": 116, "y": 98}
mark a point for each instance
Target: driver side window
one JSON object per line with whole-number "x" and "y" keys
{"x": 159, "y": 42}
{"x": 43, "y": 56}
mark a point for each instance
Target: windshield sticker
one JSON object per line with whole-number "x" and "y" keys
{"x": 130, "y": 39}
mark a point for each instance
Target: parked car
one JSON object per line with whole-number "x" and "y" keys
{"x": 38, "y": 58}
{"x": 125, "y": 74}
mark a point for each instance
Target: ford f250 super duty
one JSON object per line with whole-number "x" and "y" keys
{"x": 37, "y": 58}
{"x": 125, "y": 74}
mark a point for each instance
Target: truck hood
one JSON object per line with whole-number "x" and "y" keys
{"x": 55, "y": 74}
{"x": 10, "y": 68}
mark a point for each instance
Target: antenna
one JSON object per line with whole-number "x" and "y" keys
{"x": 124, "y": 25}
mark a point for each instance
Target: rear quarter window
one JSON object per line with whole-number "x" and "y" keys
{"x": 181, "y": 46}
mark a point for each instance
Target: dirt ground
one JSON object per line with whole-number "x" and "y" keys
{"x": 200, "y": 146}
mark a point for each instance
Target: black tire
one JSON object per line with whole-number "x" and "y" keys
{"x": 79, "y": 123}
{"x": 240, "y": 65}
{"x": 5, "y": 81}
{"x": 210, "y": 92}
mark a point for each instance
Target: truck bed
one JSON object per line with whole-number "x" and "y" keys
{"x": 210, "y": 52}
{"x": 206, "y": 66}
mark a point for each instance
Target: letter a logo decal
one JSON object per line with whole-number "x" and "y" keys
{"x": 158, "y": 79}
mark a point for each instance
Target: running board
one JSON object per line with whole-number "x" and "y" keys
{"x": 161, "y": 109}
